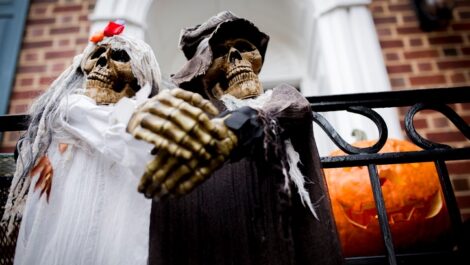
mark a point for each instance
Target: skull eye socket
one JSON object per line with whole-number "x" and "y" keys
{"x": 120, "y": 56}
{"x": 98, "y": 52}
{"x": 239, "y": 44}
{"x": 244, "y": 46}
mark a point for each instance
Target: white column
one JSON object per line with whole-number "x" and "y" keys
{"x": 346, "y": 58}
{"x": 134, "y": 12}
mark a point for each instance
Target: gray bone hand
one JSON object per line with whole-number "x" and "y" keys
{"x": 190, "y": 145}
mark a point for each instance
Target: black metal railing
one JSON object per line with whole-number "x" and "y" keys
{"x": 364, "y": 104}
{"x": 417, "y": 100}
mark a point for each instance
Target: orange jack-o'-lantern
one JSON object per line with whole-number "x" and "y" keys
{"x": 413, "y": 200}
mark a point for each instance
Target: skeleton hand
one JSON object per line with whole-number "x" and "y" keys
{"x": 167, "y": 175}
{"x": 176, "y": 122}
{"x": 46, "y": 172}
{"x": 44, "y": 182}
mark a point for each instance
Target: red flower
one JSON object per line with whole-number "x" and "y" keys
{"x": 113, "y": 28}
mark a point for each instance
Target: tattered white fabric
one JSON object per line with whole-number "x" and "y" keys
{"x": 294, "y": 173}
{"x": 95, "y": 214}
{"x": 45, "y": 112}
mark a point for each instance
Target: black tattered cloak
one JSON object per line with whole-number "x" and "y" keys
{"x": 242, "y": 214}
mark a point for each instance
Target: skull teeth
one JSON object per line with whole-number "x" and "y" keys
{"x": 240, "y": 77}
{"x": 99, "y": 77}
{"x": 238, "y": 70}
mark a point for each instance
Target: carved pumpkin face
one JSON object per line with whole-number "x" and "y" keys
{"x": 413, "y": 199}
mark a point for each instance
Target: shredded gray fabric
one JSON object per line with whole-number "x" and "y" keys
{"x": 293, "y": 159}
{"x": 44, "y": 112}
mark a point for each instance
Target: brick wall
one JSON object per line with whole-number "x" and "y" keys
{"x": 417, "y": 59}
{"x": 55, "y": 31}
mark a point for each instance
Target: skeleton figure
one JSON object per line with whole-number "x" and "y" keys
{"x": 235, "y": 69}
{"x": 109, "y": 75}
{"x": 78, "y": 129}
{"x": 235, "y": 163}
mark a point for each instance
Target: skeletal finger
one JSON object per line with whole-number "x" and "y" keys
{"x": 184, "y": 120}
{"x": 196, "y": 100}
{"x": 150, "y": 169}
{"x": 160, "y": 175}
{"x": 177, "y": 140}
{"x": 39, "y": 165}
{"x": 200, "y": 175}
{"x": 162, "y": 143}
{"x": 192, "y": 111}
{"x": 172, "y": 181}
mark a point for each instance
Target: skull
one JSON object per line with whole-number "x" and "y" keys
{"x": 109, "y": 75}
{"x": 234, "y": 70}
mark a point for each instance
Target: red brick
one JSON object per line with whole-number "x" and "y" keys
{"x": 400, "y": 7}
{"x": 23, "y": 108}
{"x": 421, "y": 54}
{"x": 420, "y": 123}
{"x": 40, "y": 21}
{"x": 458, "y": 167}
{"x": 46, "y": 80}
{"x": 425, "y": 66}
{"x": 446, "y": 39}
{"x": 385, "y": 20}
{"x": 397, "y": 82}
{"x": 464, "y": 14}
{"x": 462, "y": 3}
{"x": 465, "y": 106}
{"x": 83, "y": 18}
{"x": 31, "y": 69}
{"x": 409, "y": 30}
{"x": 59, "y": 54}
{"x": 463, "y": 201}
{"x": 395, "y": 69}
{"x": 64, "y": 42}
{"x": 39, "y": 10}
{"x": 427, "y": 80}
{"x": 461, "y": 26}
{"x": 31, "y": 57}
{"x": 443, "y": 137}
{"x": 29, "y": 94}
{"x": 453, "y": 64}
{"x": 457, "y": 78}
{"x": 377, "y": 9}
{"x": 466, "y": 50}
{"x": 68, "y": 8}
{"x": 392, "y": 56}
{"x": 440, "y": 122}
{"x": 45, "y": 1}
{"x": 36, "y": 44}
{"x": 391, "y": 44}
{"x": 66, "y": 19}
{"x": 416, "y": 42}
{"x": 411, "y": 18}
{"x": 65, "y": 30}
{"x": 37, "y": 32}
{"x": 384, "y": 32}
{"x": 81, "y": 41}
{"x": 58, "y": 67}
{"x": 26, "y": 81}
{"x": 460, "y": 184}
{"x": 6, "y": 149}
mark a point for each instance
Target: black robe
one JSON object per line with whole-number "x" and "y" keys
{"x": 241, "y": 215}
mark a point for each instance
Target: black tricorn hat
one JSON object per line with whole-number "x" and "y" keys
{"x": 197, "y": 43}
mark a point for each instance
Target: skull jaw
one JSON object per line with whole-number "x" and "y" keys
{"x": 241, "y": 90}
{"x": 103, "y": 93}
